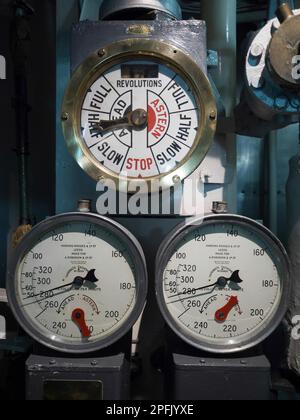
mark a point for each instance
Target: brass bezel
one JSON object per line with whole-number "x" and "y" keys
{"x": 138, "y": 48}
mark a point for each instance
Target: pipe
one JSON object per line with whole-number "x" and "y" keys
{"x": 20, "y": 39}
{"x": 284, "y": 12}
{"x": 272, "y": 140}
{"x": 123, "y": 9}
{"x": 221, "y": 22}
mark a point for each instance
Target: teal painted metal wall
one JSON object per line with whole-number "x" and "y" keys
{"x": 71, "y": 182}
{"x": 41, "y": 88}
{"x": 249, "y": 190}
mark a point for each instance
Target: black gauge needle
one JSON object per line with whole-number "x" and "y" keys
{"x": 91, "y": 277}
{"x": 221, "y": 282}
{"x": 77, "y": 283}
{"x": 134, "y": 119}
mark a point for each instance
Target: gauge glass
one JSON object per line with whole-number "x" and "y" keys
{"x": 140, "y": 119}
{"x": 77, "y": 284}
{"x": 224, "y": 285}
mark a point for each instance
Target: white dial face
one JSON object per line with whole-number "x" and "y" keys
{"x": 222, "y": 285}
{"x": 77, "y": 284}
{"x": 140, "y": 119}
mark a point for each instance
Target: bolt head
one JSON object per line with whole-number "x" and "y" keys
{"x": 176, "y": 179}
{"x": 65, "y": 116}
{"x": 101, "y": 53}
{"x": 213, "y": 115}
{"x": 257, "y": 50}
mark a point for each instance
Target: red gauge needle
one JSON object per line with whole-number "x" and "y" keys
{"x": 222, "y": 314}
{"x": 78, "y": 317}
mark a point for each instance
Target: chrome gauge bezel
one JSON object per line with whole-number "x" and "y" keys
{"x": 138, "y": 49}
{"x": 166, "y": 252}
{"x": 32, "y": 238}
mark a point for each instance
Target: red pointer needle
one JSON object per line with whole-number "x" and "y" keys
{"x": 78, "y": 317}
{"x": 222, "y": 314}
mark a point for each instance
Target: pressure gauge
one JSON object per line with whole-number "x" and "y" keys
{"x": 77, "y": 283}
{"x": 139, "y": 110}
{"x": 223, "y": 283}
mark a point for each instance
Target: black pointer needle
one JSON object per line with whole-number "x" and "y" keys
{"x": 222, "y": 282}
{"x": 77, "y": 282}
{"x": 91, "y": 277}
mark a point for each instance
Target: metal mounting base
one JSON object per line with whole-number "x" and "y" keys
{"x": 202, "y": 379}
{"x": 66, "y": 379}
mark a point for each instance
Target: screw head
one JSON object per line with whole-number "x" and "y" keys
{"x": 213, "y": 115}
{"x": 257, "y": 50}
{"x": 139, "y": 118}
{"x": 176, "y": 179}
{"x": 101, "y": 53}
{"x": 64, "y": 116}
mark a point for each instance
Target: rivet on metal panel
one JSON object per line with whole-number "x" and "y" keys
{"x": 213, "y": 115}
{"x": 176, "y": 179}
{"x": 65, "y": 116}
{"x": 257, "y": 50}
{"x": 102, "y": 53}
